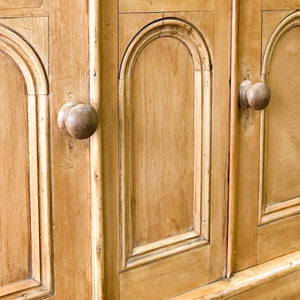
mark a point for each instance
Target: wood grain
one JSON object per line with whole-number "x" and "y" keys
{"x": 15, "y": 226}
{"x": 202, "y": 20}
{"x": 267, "y": 279}
{"x": 282, "y": 138}
{"x": 220, "y": 139}
{"x": 278, "y": 238}
{"x": 270, "y": 20}
{"x": 248, "y": 138}
{"x": 256, "y": 244}
{"x": 170, "y": 276}
{"x": 269, "y": 211}
{"x": 110, "y": 146}
{"x": 129, "y": 6}
{"x": 162, "y": 186}
{"x": 188, "y": 40}
{"x": 22, "y": 8}
{"x": 11, "y": 288}
{"x": 130, "y": 25}
{"x": 70, "y": 158}
{"x": 232, "y": 199}
{"x": 280, "y": 4}
{"x": 96, "y": 154}
{"x": 36, "y": 142}
{"x": 131, "y": 283}
{"x": 286, "y": 287}
{"x": 35, "y": 31}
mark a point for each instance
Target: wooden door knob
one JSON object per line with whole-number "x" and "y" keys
{"x": 256, "y": 96}
{"x": 77, "y": 119}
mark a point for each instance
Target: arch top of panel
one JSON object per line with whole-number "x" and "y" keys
{"x": 27, "y": 60}
{"x": 168, "y": 27}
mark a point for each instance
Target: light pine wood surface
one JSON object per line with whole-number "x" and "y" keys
{"x": 179, "y": 187}
{"x": 45, "y": 191}
{"x": 126, "y": 6}
{"x": 21, "y": 8}
{"x": 15, "y": 198}
{"x": 168, "y": 133}
{"x": 267, "y": 195}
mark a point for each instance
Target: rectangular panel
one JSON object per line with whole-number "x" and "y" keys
{"x": 22, "y": 8}
{"x": 278, "y": 238}
{"x": 281, "y": 4}
{"x": 126, "y": 6}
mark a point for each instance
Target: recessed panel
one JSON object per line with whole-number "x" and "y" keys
{"x": 282, "y": 122}
{"x": 279, "y": 187}
{"x": 14, "y": 172}
{"x": 165, "y": 142}
{"x": 25, "y": 252}
{"x": 162, "y": 141}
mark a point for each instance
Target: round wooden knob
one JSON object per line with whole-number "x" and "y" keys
{"x": 78, "y": 120}
{"x": 256, "y": 96}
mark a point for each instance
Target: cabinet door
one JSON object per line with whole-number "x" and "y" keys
{"x": 165, "y": 133}
{"x": 268, "y": 153}
{"x": 45, "y": 177}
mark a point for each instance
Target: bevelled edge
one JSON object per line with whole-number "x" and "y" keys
{"x": 27, "y": 60}
{"x": 246, "y": 280}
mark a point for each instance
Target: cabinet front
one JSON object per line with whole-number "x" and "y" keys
{"x": 193, "y": 174}
{"x": 268, "y": 176}
{"x": 165, "y": 126}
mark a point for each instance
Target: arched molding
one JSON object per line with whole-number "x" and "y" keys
{"x": 277, "y": 211}
{"x": 169, "y": 27}
{"x": 27, "y": 60}
{"x": 195, "y": 44}
{"x": 40, "y": 283}
{"x": 291, "y": 21}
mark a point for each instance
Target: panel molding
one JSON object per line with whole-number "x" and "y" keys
{"x": 195, "y": 44}
{"x": 290, "y": 206}
{"x": 40, "y": 283}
